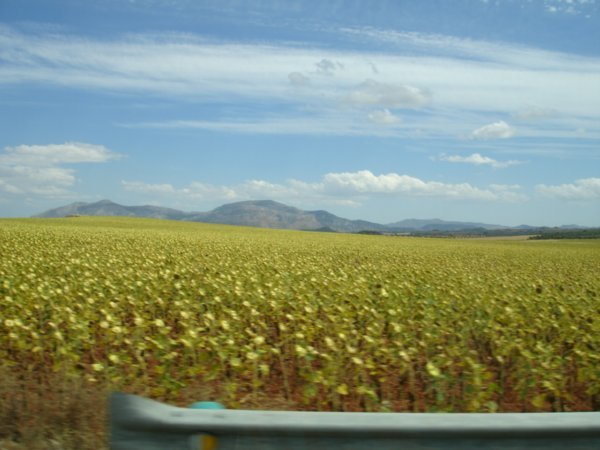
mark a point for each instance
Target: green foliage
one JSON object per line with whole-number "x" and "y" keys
{"x": 553, "y": 233}
{"x": 319, "y": 321}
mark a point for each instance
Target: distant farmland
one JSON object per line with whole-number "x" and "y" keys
{"x": 261, "y": 318}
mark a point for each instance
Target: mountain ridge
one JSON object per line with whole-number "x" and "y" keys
{"x": 267, "y": 214}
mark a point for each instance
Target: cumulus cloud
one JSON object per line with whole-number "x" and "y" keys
{"x": 496, "y": 130}
{"x": 365, "y": 182}
{"x": 38, "y": 169}
{"x": 349, "y": 188}
{"x": 374, "y": 93}
{"x": 582, "y": 189}
{"x": 384, "y": 117}
{"x": 479, "y": 160}
{"x": 297, "y": 79}
{"x": 45, "y": 181}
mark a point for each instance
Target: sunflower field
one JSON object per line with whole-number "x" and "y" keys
{"x": 259, "y": 318}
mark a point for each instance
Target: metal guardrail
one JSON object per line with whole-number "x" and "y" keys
{"x": 137, "y": 423}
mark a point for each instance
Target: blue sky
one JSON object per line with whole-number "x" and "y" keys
{"x": 381, "y": 110}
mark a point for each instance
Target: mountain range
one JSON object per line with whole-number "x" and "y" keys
{"x": 265, "y": 214}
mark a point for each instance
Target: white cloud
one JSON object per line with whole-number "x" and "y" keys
{"x": 297, "y": 79}
{"x": 477, "y": 77}
{"x": 328, "y": 67}
{"x": 365, "y": 182}
{"x": 374, "y": 93}
{"x": 145, "y": 188}
{"x": 203, "y": 191}
{"x": 583, "y": 189}
{"x": 450, "y": 47}
{"x": 478, "y": 160}
{"x": 349, "y": 188}
{"x": 534, "y": 113}
{"x": 505, "y": 187}
{"x": 374, "y": 68}
{"x": 38, "y": 169}
{"x": 496, "y": 130}
{"x": 507, "y": 192}
{"x": 52, "y": 154}
{"x": 570, "y": 7}
{"x": 384, "y": 117}
{"x": 194, "y": 191}
{"x": 7, "y": 187}
{"x": 347, "y": 124}
{"x": 45, "y": 181}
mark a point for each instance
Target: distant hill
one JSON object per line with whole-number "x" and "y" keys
{"x": 108, "y": 208}
{"x": 271, "y": 214}
{"x": 440, "y": 225}
{"x": 262, "y": 213}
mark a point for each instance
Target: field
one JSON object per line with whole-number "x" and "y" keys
{"x": 277, "y": 319}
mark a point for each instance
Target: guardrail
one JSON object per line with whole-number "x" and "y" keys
{"x": 138, "y": 423}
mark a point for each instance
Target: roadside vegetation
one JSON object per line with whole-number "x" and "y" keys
{"x": 590, "y": 233}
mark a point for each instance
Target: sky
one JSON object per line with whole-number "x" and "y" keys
{"x": 381, "y": 110}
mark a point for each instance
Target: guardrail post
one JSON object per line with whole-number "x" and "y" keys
{"x": 204, "y": 441}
